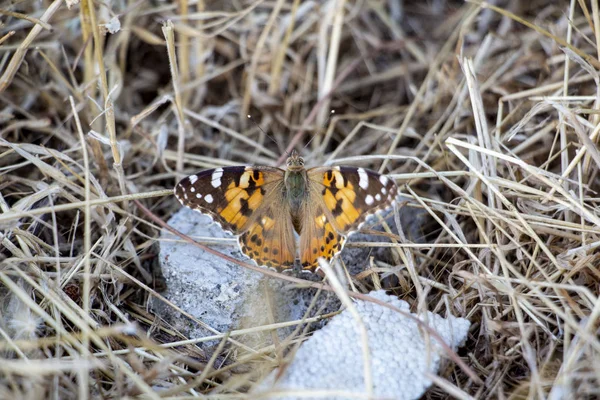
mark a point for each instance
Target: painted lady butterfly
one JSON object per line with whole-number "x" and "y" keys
{"x": 264, "y": 206}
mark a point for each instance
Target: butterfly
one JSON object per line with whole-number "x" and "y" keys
{"x": 266, "y": 206}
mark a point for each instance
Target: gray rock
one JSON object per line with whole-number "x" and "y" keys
{"x": 223, "y": 295}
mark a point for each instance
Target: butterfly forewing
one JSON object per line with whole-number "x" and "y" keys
{"x": 351, "y": 195}
{"x": 232, "y": 196}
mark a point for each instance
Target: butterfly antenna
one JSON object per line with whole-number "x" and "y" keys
{"x": 324, "y": 125}
{"x": 261, "y": 129}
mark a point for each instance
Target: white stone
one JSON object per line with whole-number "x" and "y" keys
{"x": 401, "y": 356}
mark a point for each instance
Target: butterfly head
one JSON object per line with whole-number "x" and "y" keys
{"x": 295, "y": 162}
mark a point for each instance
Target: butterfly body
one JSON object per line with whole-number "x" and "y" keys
{"x": 296, "y": 183}
{"x": 264, "y": 206}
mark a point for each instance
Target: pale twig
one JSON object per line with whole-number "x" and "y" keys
{"x": 19, "y": 55}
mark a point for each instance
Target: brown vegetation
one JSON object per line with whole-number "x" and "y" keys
{"x": 487, "y": 117}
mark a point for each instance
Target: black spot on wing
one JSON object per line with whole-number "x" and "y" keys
{"x": 244, "y": 209}
{"x": 338, "y": 207}
{"x": 232, "y": 174}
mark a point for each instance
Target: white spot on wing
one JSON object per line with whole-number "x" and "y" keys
{"x": 378, "y": 197}
{"x": 215, "y": 179}
{"x": 193, "y": 179}
{"x": 384, "y": 190}
{"x": 369, "y": 200}
{"x": 208, "y": 198}
{"x": 192, "y": 189}
{"x": 383, "y": 179}
{"x": 245, "y": 179}
{"x": 363, "y": 179}
{"x": 199, "y": 196}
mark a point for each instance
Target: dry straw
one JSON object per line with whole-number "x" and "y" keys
{"x": 486, "y": 114}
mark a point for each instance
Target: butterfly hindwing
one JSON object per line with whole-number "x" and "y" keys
{"x": 232, "y": 196}
{"x": 270, "y": 238}
{"x": 319, "y": 238}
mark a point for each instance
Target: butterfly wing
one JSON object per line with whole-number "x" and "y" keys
{"x": 270, "y": 239}
{"x": 352, "y": 195}
{"x": 319, "y": 238}
{"x": 246, "y": 201}
{"x": 341, "y": 199}
{"x": 232, "y": 196}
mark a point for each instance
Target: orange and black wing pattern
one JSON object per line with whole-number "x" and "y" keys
{"x": 232, "y": 196}
{"x": 341, "y": 199}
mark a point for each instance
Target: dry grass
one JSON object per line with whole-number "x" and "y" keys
{"x": 488, "y": 117}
